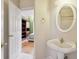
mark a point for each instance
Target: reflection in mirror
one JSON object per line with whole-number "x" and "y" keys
{"x": 65, "y": 17}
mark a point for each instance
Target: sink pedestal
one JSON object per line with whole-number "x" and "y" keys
{"x": 60, "y": 55}
{"x": 61, "y": 51}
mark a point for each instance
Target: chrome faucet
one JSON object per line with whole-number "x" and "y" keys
{"x": 61, "y": 40}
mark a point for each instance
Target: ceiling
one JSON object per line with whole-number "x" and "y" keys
{"x": 26, "y": 4}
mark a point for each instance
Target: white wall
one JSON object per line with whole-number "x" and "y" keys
{"x": 41, "y": 29}
{"x": 26, "y": 13}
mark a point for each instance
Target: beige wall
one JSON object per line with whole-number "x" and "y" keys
{"x": 27, "y": 4}
{"x": 41, "y": 29}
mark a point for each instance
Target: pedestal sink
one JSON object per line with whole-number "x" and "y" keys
{"x": 61, "y": 48}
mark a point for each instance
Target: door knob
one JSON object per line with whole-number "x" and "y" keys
{"x": 3, "y": 44}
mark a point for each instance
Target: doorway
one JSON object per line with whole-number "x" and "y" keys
{"x": 21, "y": 32}
{"x": 28, "y": 32}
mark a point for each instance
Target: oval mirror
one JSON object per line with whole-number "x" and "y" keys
{"x": 65, "y": 18}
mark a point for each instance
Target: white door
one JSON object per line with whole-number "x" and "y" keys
{"x": 14, "y": 31}
{"x": 2, "y": 29}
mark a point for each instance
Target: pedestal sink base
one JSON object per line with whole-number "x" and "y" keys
{"x": 60, "y": 55}
{"x": 58, "y": 51}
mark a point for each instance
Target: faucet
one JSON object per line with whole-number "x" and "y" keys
{"x": 61, "y": 40}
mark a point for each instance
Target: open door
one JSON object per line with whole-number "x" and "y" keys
{"x": 2, "y": 29}
{"x": 14, "y": 31}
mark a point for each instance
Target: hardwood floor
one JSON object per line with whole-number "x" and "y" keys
{"x": 27, "y": 47}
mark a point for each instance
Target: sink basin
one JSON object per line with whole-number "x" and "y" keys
{"x": 65, "y": 47}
